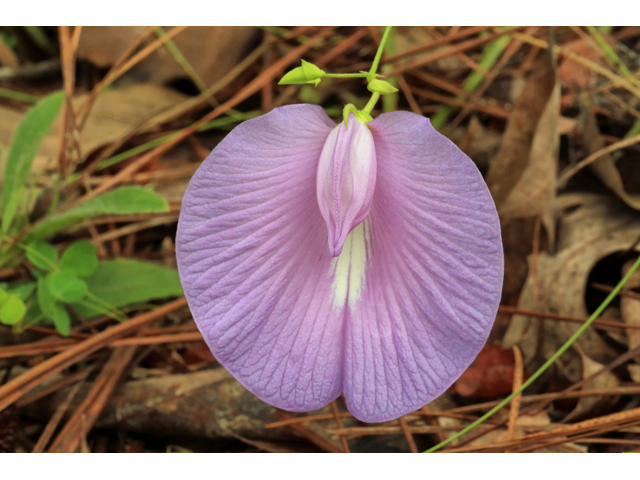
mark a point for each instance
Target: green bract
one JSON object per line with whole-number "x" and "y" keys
{"x": 307, "y": 73}
{"x": 381, "y": 86}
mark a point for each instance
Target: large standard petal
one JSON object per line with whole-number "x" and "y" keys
{"x": 253, "y": 259}
{"x": 431, "y": 275}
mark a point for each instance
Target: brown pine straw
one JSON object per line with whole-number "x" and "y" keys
{"x": 341, "y": 47}
{"x": 67, "y": 53}
{"x": 474, "y": 98}
{"x": 252, "y": 87}
{"x": 493, "y": 110}
{"x": 456, "y": 35}
{"x": 514, "y": 408}
{"x": 578, "y": 437}
{"x": 313, "y": 437}
{"x": 18, "y": 386}
{"x": 408, "y": 435}
{"x": 622, "y": 293}
{"x": 440, "y": 83}
{"x": 594, "y": 426}
{"x": 461, "y": 55}
{"x": 53, "y": 387}
{"x": 408, "y": 95}
{"x": 336, "y": 417}
{"x": 570, "y": 392}
{"x": 447, "y": 51}
{"x": 570, "y": 172}
{"x": 89, "y": 410}
{"x": 616, "y": 79}
{"x": 599, "y": 323}
{"x": 432, "y": 419}
{"x": 54, "y": 421}
{"x": 328, "y": 416}
{"x": 38, "y": 348}
{"x": 119, "y": 69}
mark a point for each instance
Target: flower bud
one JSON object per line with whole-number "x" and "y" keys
{"x": 346, "y": 180}
{"x": 307, "y": 73}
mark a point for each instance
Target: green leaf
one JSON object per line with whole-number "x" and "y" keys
{"x": 26, "y": 143}
{"x": 23, "y": 291}
{"x": 80, "y": 258}
{"x": 42, "y": 255}
{"x": 32, "y": 317}
{"x": 12, "y": 311}
{"x": 123, "y": 282}
{"x": 121, "y": 201}
{"x": 65, "y": 286}
{"x": 46, "y": 301}
{"x": 3, "y": 296}
{"x": 61, "y": 319}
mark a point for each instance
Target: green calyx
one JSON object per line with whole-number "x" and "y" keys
{"x": 307, "y": 73}
{"x": 362, "y": 116}
{"x": 311, "y": 74}
{"x": 381, "y": 86}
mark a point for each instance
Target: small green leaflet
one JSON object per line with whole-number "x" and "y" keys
{"x": 124, "y": 282}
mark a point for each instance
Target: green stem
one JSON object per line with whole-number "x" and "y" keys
{"x": 371, "y": 103}
{"x": 345, "y": 75}
{"x": 22, "y": 97}
{"x": 548, "y": 363}
{"x": 376, "y": 60}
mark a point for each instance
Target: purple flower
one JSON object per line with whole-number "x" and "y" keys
{"x": 321, "y": 260}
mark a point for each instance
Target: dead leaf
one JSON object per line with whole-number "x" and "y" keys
{"x": 591, "y": 228}
{"x": 630, "y": 313}
{"x": 522, "y": 175}
{"x": 593, "y": 405}
{"x": 211, "y": 51}
{"x": 490, "y": 374}
{"x": 604, "y": 168}
{"x": 576, "y": 76}
{"x": 115, "y": 114}
{"x": 478, "y": 142}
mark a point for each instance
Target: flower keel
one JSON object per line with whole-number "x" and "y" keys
{"x": 346, "y": 180}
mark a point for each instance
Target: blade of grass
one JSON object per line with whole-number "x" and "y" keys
{"x": 40, "y": 39}
{"x": 612, "y": 55}
{"x": 21, "y": 97}
{"x": 490, "y": 55}
{"x": 186, "y": 66}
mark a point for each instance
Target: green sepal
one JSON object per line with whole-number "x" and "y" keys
{"x": 307, "y": 73}
{"x": 311, "y": 72}
{"x": 351, "y": 108}
{"x": 381, "y": 86}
